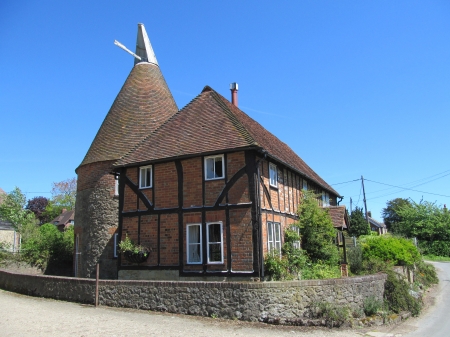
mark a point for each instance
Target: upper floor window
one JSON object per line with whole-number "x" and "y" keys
{"x": 215, "y": 242}
{"x": 145, "y": 177}
{"x": 273, "y": 175}
{"x": 274, "y": 237}
{"x": 214, "y": 167}
{"x": 305, "y": 185}
{"x": 325, "y": 199}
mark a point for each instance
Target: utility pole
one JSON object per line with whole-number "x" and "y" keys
{"x": 364, "y": 195}
{"x": 351, "y": 206}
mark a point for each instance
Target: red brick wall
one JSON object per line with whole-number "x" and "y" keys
{"x": 192, "y": 182}
{"x": 96, "y": 175}
{"x": 169, "y": 243}
{"x": 241, "y": 240}
{"x": 166, "y": 185}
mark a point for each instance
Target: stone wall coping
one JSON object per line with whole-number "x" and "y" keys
{"x": 209, "y": 284}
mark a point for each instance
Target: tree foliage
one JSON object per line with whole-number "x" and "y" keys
{"x": 64, "y": 193}
{"x": 13, "y": 210}
{"x": 358, "y": 223}
{"x": 317, "y": 231}
{"x": 391, "y": 217}
{"x": 37, "y": 205}
{"x": 429, "y": 223}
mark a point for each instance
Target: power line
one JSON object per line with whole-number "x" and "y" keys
{"x": 405, "y": 188}
{"x": 345, "y": 182}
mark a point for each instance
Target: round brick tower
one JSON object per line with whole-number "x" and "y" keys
{"x": 142, "y": 105}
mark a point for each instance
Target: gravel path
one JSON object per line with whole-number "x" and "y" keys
{"x": 31, "y": 316}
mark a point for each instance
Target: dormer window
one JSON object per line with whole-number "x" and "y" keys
{"x": 214, "y": 167}
{"x": 273, "y": 174}
{"x": 145, "y": 177}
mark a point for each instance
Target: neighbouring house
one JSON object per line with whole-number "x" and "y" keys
{"x": 206, "y": 188}
{"x": 376, "y": 226}
{"x": 65, "y": 219}
{"x": 9, "y": 237}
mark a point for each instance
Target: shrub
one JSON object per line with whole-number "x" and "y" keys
{"x": 333, "y": 314}
{"x": 372, "y": 305}
{"x": 395, "y": 250}
{"x": 437, "y": 247}
{"x": 317, "y": 231}
{"x": 397, "y": 294}
{"x": 320, "y": 270}
{"x": 355, "y": 259}
{"x": 426, "y": 274}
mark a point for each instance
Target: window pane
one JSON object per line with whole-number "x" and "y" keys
{"x": 215, "y": 252}
{"x": 142, "y": 178}
{"x": 277, "y": 232}
{"x": 210, "y": 168}
{"x": 194, "y": 253}
{"x": 194, "y": 234}
{"x": 218, "y": 167}
{"x": 269, "y": 232}
{"x": 214, "y": 234}
{"x": 148, "y": 177}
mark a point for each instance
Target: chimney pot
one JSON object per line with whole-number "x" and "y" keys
{"x": 369, "y": 213}
{"x": 234, "y": 95}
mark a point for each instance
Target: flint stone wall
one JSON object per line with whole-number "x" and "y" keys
{"x": 250, "y": 301}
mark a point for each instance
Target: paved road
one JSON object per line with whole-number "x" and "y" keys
{"x": 436, "y": 321}
{"x": 30, "y": 316}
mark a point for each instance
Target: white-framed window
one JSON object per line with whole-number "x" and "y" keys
{"x": 214, "y": 231}
{"x": 116, "y": 245}
{"x": 325, "y": 199}
{"x": 194, "y": 243}
{"x": 296, "y": 244}
{"x": 274, "y": 236}
{"x": 214, "y": 167}
{"x": 273, "y": 175}
{"x": 116, "y": 186}
{"x": 305, "y": 185}
{"x": 145, "y": 176}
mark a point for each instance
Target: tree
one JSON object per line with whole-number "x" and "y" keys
{"x": 390, "y": 214}
{"x": 317, "y": 231}
{"x": 37, "y": 205}
{"x": 64, "y": 193}
{"x": 429, "y": 223}
{"x": 63, "y": 197}
{"x": 358, "y": 223}
{"x": 12, "y": 209}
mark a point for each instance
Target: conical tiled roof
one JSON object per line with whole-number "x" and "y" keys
{"x": 210, "y": 123}
{"x": 142, "y": 105}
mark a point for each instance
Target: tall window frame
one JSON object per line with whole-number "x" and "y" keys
{"x": 273, "y": 175}
{"x": 273, "y": 237}
{"x": 305, "y": 185}
{"x": 146, "y": 176}
{"x": 116, "y": 245}
{"x": 214, "y": 167}
{"x": 214, "y": 245}
{"x": 325, "y": 199}
{"x": 194, "y": 246}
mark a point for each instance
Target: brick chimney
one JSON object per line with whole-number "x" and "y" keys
{"x": 64, "y": 210}
{"x": 234, "y": 93}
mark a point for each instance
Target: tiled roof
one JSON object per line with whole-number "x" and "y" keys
{"x": 338, "y": 216}
{"x": 64, "y": 218}
{"x": 142, "y": 105}
{"x": 375, "y": 223}
{"x": 210, "y": 123}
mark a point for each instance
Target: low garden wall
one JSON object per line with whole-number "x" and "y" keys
{"x": 251, "y": 301}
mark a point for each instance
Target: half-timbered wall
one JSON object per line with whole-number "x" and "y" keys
{"x": 157, "y": 217}
{"x": 280, "y": 204}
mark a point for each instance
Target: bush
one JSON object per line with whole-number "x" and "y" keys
{"x": 397, "y": 294}
{"x": 355, "y": 259}
{"x": 333, "y": 314}
{"x": 46, "y": 244}
{"x": 438, "y": 248}
{"x": 317, "y": 231}
{"x": 426, "y": 274}
{"x": 319, "y": 270}
{"x": 372, "y": 305}
{"x": 395, "y": 250}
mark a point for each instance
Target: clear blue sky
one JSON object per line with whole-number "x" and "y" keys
{"x": 354, "y": 87}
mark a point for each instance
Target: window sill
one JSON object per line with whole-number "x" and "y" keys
{"x": 211, "y": 179}
{"x": 274, "y": 187}
{"x": 145, "y": 188}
